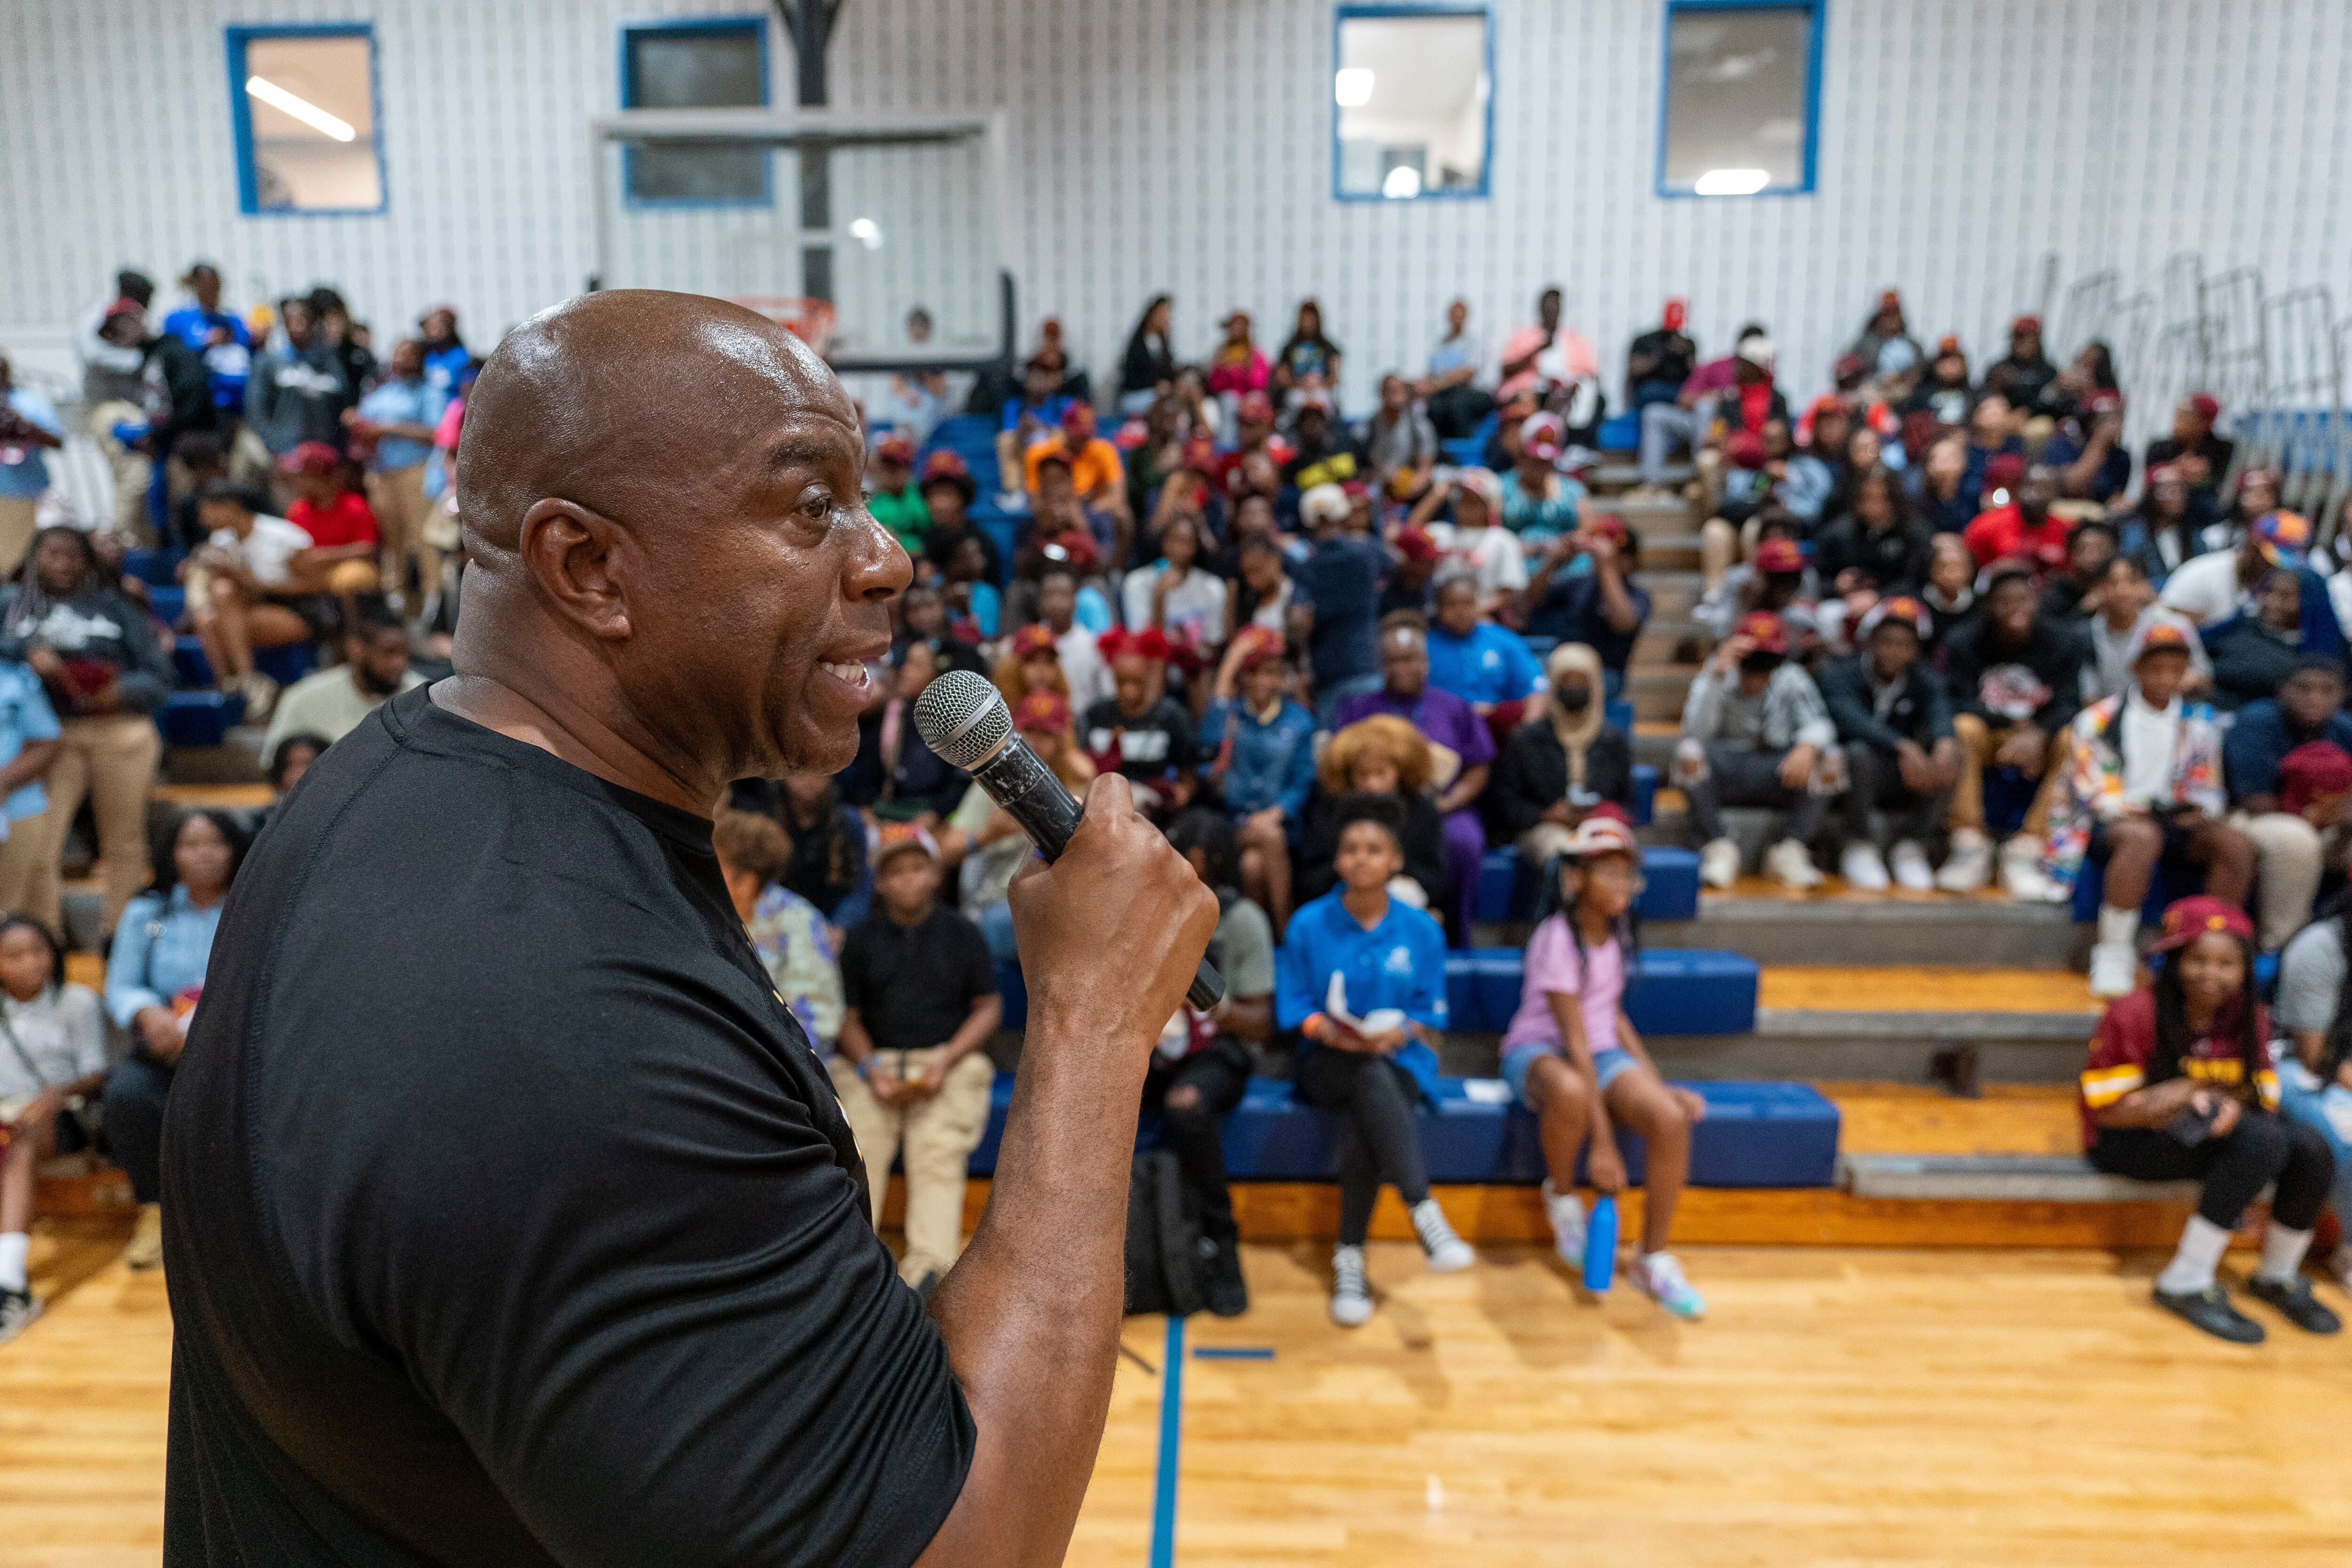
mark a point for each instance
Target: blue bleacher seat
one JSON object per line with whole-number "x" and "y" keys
{"x": 1675, "y": 991}
{"x": 168, "y": 603}
{"x": 199, "y": 718}
{"x": 289, "y": 663}
{"x": 1469, "y": 451}
{"x": 154, "y": 567}
{"x": 1619, "y": 715}
{"x": 1645, "y": 794}
{"x": 1754, "y": 1135}
{"x": 1511, "y": 889}
{"x": 1621, "y": 432}
{"x": 188, "y": 659}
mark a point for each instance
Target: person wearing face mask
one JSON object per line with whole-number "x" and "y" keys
{"x": 1895, "y": 724}
{"x": 1755, "y": 734}
{"x": 1552, "y": 773}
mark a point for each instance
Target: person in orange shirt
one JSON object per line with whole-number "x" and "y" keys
{"x": 1096, "y": 471}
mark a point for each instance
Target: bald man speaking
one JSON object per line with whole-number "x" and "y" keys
{"x": 508, "y": 1218}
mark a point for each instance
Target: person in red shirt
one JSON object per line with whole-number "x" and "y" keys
{"x": 1254, "y": 437}
{"x": 342, "y": 560}
{"x": 2024, "y": 528}
{"x": 2180, "y": 1087}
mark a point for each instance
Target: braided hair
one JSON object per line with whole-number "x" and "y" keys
{"x": 1625, "y": 929}
{"x": 2172, "y": 1022}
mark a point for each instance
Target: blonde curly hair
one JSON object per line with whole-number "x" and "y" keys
{"x": 1381, "y": 735}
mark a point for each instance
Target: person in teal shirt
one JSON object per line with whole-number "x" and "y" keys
{"x": 1362, "y": 981}
{"x": 1484, "y": 664}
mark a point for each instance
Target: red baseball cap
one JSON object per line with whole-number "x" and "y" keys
{"x": 2191, "y": 918}
{"x": 2004, "y": 470}
{"x": 2025, "y": 324}
{"x": 1775, "y": 557}
{"x": 1414, "y": 544}
{"x": 1043, "y": 710}
{"x": 1611, "y": 524}
{"x": 1258, "y": 645}
{"x": 1075, "y": 547}
{"x": 1078, "y": 418}
{"x": 2161, "y": 636}
{"x": 1148, "y": 643}
{"x": 1256, "y": 408}
{"x": 2311, "y": 771}
{"x": 310, "y": 458}
{"x": 900, "y": 449}
{"x": 1677, "y": 314}
{"x": 1034, "y": 638}
{"x": 2207, "y": 407}
{"x": 1903, "y": 610}
{"x": 1768, "y": 631}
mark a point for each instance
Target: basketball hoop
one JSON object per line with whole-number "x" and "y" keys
{"x": 812, "y": 321}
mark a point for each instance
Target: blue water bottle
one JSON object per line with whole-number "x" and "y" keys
{"x": 1601, "y": 1245}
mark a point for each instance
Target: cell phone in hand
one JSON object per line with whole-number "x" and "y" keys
{"x": 2192, "y": 1126}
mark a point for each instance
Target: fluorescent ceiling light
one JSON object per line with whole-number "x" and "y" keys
{"x": 1352, "y": 86}
{"x": 1732, "y": 182}
{"x": 1403, "y": 184}
{"x": 866, "y": 232}
{"x": 301, "y": 109}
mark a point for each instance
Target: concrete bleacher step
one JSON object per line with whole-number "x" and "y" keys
{"x": 1650, "y": 518}
{"x": 1670, "y": 551}
{"x": 1660, "y": 637}
{"x": 1674, "y": 592}
{"x": 234, "y": 758}
{"x": 1658, "y": 691}
{"x": 1610, "y": 476}
{"x": 1893, "y": 928}
{"x": 2004, "y": 1178}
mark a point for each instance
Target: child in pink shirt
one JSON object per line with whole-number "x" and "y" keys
{"x": 1572, "y": 1057}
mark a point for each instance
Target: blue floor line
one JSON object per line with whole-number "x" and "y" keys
{"x": 1233, "y": 1352}
{"x": 1171, "y": 1433}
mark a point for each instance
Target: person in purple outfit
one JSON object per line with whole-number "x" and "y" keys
{"x": 1465, "y": 751}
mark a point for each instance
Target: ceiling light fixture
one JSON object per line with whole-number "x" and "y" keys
{"x": 301, "y": 109}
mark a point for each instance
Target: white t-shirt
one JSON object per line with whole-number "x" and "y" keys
{"x": 1083, "y": 667}
{"x": 1196, "y": 606}
{"x": 2205, "y": 588}
{"x": 2150, "y": 737}
{"x": 269, "y": 550}
{"x": 1494, "y": 555}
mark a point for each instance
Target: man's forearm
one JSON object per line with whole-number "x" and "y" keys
{"x": 1031, "y": 1312}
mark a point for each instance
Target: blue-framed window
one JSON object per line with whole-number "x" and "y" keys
{"x": 1413, "y": 92}
{"x": 695, "y": 62}
{"x": 303, "y": 101}
{"x": 1740, "y": 105}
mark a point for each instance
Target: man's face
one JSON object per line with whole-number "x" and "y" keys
{"x": 945, "y": 503}
{"x": 2035, "y": 492}
{"x": 298, "y": 323}
{"x": 909, "y": 881}
{"x": 2011, "y": 608}
{"x": 1404, "y": 667}
{"x": 2088, "y": 553}
{"x": 1040, "y": 381}
{"x": 1892, "y": 647}
{"x": 2126, "y": 589}
{"x": 923, "y": 613}
{"x": 379, "y": 661}
{"x": 438, "y": 326}
{"x": 2025, "y": 343}
{"x": 1458, "y": 608}
{"x": 1458, "y": 315}
{"x": 1830, "y": 430}
{"x": 890, "y": 475}
{"x": 2188, "y": 425}
{"x": 1989, "y": 422}
{"x": 1394, "y": 394}
{"x": 407, "y": 359}
{"x": 1314, "y": 424}
{"x": 1547, "y": 309}
{"x": 2160, "y": 672}
{"x": 205, "y": 284}
{"x": 2311, "y": 697}
{"x": 1057, "y": 601}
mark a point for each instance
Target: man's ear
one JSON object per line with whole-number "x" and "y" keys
{"x": 570, "y": 553}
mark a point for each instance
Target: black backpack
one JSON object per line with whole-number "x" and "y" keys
{"x": 1163, "y": 1241}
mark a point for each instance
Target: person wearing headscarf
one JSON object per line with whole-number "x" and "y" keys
{"x": 1552, "y": 773}
{"x": 2255, "y": 650}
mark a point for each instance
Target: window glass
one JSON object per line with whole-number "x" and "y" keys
{"x": 1740, "y": 100}
{"x": 1412, "y": 96}
{"x": 697, "y": 67}
{"x": 306, "y": 122}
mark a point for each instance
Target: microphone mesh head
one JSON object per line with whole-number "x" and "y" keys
{"x": 963, "y": 718}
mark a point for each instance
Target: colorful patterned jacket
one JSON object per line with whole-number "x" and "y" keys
{"x": 2091, "y": 788}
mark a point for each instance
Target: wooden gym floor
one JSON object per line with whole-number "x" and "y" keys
{"x": 1839, "y": 1407}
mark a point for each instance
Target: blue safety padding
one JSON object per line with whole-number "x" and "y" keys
{"x": 168, "y": 603}
{"x": 199, "y": 718}
{"x": 1618, "y": 714}
{"x": 1511, "y": 889}
{"x": 1754, "y": 1135}
{"x": 289, "y": 663}
{"x": 1621, "y": 432}
{"x": 188, "y": 659}
{"x": 154, "y": 567}
{"x": 1645, "y": 794}
{"x": 1675, "y": 991}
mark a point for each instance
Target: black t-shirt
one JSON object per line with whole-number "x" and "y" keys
{"x": 512, "y": 1220}
{"x": 913, "y": 986}
{"x": 1147, "y": 750}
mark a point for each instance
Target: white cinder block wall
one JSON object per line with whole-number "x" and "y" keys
{"x": 1186, "y": 145}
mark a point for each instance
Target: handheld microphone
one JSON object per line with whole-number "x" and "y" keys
{"x": 962, "y": 716}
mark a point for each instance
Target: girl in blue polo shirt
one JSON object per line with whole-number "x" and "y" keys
{"x": 1362, "y": 980}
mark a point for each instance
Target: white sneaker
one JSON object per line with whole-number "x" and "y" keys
{"x": 1718, "y": 863}
{"x": 2020, "y": 871}
{"x": 1969, "y": 865}
{"x": 2115, "y": 969}
{"x": 1909, "y": 864}
{"x": 1566, "y": 1212}
{"x": 1792, "y": 864}
{"x": 18, "y": 1309}
{"x": 1448, "y": 1253}
{"x": 1861, "y": 866}
{"x": 1351, "y": 1293}
{"x": 1659, "y": 1276}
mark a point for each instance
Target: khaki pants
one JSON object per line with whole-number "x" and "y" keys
{"x": 2291, "y": 853}
{"x": 110, "y": 760}
{"x": 1978, "y": 741}
{"x": 18, "y": 518}
{"x": 934, "y": 1137}
{"x": 133, "y": 471}
{"x": 398, "y": 497}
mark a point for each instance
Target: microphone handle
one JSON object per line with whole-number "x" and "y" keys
{"x": 1034, "y": 796}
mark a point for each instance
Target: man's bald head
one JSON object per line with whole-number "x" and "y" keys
{"x": 618, "y": 400}
{"x": 664, "y": 498}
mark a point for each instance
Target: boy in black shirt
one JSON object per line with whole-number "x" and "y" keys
{"x": 921, "y": 995}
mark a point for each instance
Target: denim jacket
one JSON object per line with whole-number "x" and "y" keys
{"x": 159, "y": 952}
{"x": 1265, "y": 763}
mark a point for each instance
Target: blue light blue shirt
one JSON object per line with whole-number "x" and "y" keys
{"x": 160, "y": 949}
{"x": 24, "y": 471}
{"x": 1400, "y": 963}
{"x": 25, "y": 716}
{"x": 399, "y": 402}
{"x": 1272, "y": 761}
{"x": 1491, "y": 664}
